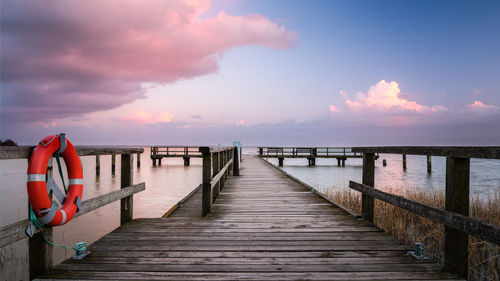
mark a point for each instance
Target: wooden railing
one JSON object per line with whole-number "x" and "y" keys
{"x": 455, "y": 217}
{"x": 330, "y": 152}
{"x": 170, "y": 151}
{"x": 218, "y": 162}
{"x": 40, "y": 253}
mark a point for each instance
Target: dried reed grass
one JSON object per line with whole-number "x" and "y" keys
{"x": 484, "y": 257}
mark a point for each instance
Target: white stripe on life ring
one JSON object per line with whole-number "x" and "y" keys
{"x": 64, "y": 216}
{"x": 36, "y": 177}
{"x": 75, "y": 182}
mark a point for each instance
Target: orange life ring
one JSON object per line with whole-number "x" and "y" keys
{"x": 50, "y": 212}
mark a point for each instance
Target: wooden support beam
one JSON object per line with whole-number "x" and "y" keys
{"x": 138, "y": 160}
{"x": 236, "y": 163}
{"x": 206, "y": 179}
{"x": 97, "y": 165}
{"x": 404, "y": 161}
{"x": 456, "y": 243}
{"x": 126, "y": 179}
{"x": 367, "y": 202}
{"x": 113, "y": 163}
{"x": 40, "y": 252}
{"x": 186, "y": 160}
{"x": 429, "y": 164}
{"x": 280, "y": 162}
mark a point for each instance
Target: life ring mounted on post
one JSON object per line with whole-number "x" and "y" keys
{"x": 40, "y": 184}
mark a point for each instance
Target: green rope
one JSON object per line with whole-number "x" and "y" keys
{"x": 60, "y": 172}
{"x": 40, "y": 227}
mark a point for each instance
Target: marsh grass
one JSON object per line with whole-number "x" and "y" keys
{"x": 484, "y": 257}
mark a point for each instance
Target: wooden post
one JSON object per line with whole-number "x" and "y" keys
{"x": 206, "y": 202}
{"x": 138, "y": 160}
{"x": 343, "y": 162}
{"x": 159, "y": 161}
{"x": 429, "y": 164}
{"x": 113, "y": 163}
{"x": 404, "y": 161}
{"x": 236, "y": 163}
{"x": 40, "y": 252}
{"x": 457, "y": 200}
{"x": 280, "y": 162}
{"x": 154, "y": 162}
{"x": 261, "y": 150}
{"x": 126, "y": 179}
{"x": 384, "y": 162}
{"x": 367, "y": 202}
{"x": 97, "y": 165}
{"x": 186, "y": 161}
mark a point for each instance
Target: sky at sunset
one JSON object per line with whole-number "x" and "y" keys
{"x": 262, "y": 72}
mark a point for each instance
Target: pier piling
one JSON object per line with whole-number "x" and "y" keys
{"x": 113, "y": 163}
{"x": 404, "y": 161}
{"x": 367, "y": 202}
{"x": 97, "y": 165}
{"x": 280, "y": 162}
{"x": 186, "y": 161}
{"x": 456, "y": 243}
{"x": 429, "y": 164}
{"x": 138, "y": 160}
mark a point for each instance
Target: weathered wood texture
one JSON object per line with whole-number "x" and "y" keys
{"x": 20, "y": 152}
{"x": 264, "y": 226}
{"x": 15, "y": 232}
{"x": 367, "y": 202}
{"x": 126, "y": 179}
{"x": 487, "y": 152}
{"x": 453, "y": 220}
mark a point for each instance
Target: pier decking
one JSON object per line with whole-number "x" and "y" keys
{"x": 263, "y": 226}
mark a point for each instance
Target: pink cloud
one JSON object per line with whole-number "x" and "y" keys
{"x": 69, "y": 58}
{"x": 333, "y": 108}
{"x": 480, "y": 106}
{"x": 386, "y": 97}
{"x": 144, "y": 117}
{"x": 239, "y": 122}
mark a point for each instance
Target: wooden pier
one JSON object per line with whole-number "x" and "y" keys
{"x": 311, "y": 153}
{"x": 261, "y": 225}
{"x": 172, "y": 151}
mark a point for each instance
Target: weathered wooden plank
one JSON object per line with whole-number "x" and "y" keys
{"x": 487, "y": 152}
{"x": 20, "y": 152}
{"x": 16, "y": 231}
{"x": 233, "y": 261}
{"x": 255, "y": 275}
{"x": 469, "y": 225}
{"x": 249, "y": 267}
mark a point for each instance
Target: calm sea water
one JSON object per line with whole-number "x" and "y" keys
{"x": 167, "y": 184}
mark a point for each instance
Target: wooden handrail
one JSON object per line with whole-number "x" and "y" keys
{"x": 221, "y": 173}
{"x": 218, "y": 163}
{"x": 21, "y": 152}
{"x": 485, "y": 152}
{"x": 481, "y": 230}
{"x": 455, "y": 216}
{"x": 16, "y": 231}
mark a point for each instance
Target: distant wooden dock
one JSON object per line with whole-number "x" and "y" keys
{"x": 262, "y": 226}
{"x": 311, "y": 153}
